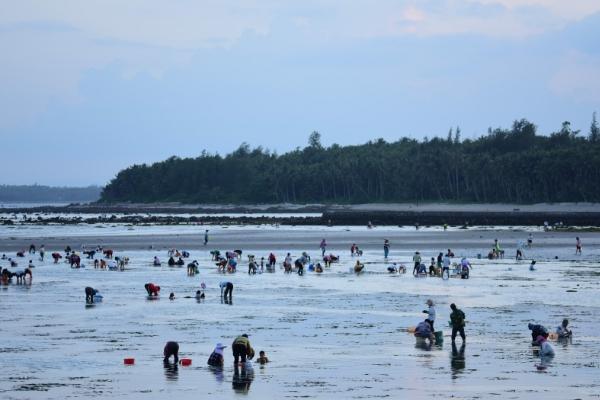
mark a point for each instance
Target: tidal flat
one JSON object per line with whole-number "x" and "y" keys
{"x": 330, "y": 335}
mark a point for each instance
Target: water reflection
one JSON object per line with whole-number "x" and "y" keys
{"x": 565, "y": 341}
{"x": 457, "y": 360}
{"x": 218, "y": 373}
{"x": 545, "y": 362}
{"x": 242, "y": 378}
{"x": 171, "y": 371}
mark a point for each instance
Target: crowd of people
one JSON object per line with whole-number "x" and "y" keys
{"x": 228, "y": 262}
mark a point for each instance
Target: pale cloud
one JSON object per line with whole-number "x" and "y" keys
{"x": 413, "y": 14}
{"x": 184, "y": 24}
{"x": 48, "y": 46}
{"x": 190, "y": 24}
{"x": 566, "y": 9}
{"x": 42, "y": 66}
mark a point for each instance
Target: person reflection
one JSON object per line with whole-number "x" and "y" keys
{"x": 218, "y": 373}
{"x": 457, "y": 360}
{"x": 242, "y": 378}
{"x": 171, "y": 371}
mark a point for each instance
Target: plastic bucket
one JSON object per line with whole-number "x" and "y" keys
{"x": 129, "y": 361}
{"x": 185, "y": 362}
{"x": 420, "y": 341}
{"x": 439, "y": 337}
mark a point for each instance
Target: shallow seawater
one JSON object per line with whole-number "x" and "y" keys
{"x": 335, "y": 335}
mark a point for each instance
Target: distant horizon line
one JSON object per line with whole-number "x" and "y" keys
{"x": 50, "y": 186}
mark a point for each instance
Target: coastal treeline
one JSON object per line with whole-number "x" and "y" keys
{"x": 53, "y": 194}
{"x": 514, "y": 165}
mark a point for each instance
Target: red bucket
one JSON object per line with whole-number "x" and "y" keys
{"x": 185, "y": 362}
{"x": 129, "y": 361}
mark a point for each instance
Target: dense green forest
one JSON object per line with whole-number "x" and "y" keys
{"x": 39, "y": 193}
{"x": 507, "y": 165}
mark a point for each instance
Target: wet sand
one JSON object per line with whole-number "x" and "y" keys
{"x": 405, "y": 239}
{"x": 335, "y": 335}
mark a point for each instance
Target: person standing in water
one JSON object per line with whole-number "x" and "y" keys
{"x": 577, "y": 246}
{"x": 206, "y": 237}
{"x": 457, "y": 317}
{"x": 446, "y": 266}
{"x": 417, "y": 261}
{"x": 226, "y": 290}
{"x": 386, "y": 248}
{"x": 323, "y": 247}
{"x": 42, "y": 252}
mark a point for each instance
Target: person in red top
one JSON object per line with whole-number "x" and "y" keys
{"x": 272, "y": 261}
{"x": 152, "y": 289}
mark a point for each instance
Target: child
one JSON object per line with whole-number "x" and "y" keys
{"x": 172, "y": 296}
{"x": 432, "y": 271}
{"x": 262, "y": 358}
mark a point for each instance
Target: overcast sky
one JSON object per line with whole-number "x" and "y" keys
{"x": 90, "y": 87}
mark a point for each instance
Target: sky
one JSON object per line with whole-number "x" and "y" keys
{"x": 92, "y": 87}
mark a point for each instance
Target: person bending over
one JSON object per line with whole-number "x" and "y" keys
{"x": 90, "y": 292}
{"x": 171, "y": 349}
{"x": 241, "y": 349}
{"x": 152, "y": 289}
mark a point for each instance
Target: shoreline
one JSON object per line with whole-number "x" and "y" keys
{"x": 569, "y": 214}
{"x": 288, "y": 238}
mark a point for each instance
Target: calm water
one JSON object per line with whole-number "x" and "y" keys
{"x": 335, "y": 335}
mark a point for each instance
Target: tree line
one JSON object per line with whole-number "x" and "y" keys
{"x": 514, "y": 165}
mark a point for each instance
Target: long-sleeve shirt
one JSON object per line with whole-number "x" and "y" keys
{"x": 431, "y": 313}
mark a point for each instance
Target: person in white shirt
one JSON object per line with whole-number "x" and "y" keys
{"x": 446, "y": 266}
{"x": 562, "y": 331}
{"x": 430, "y": 313}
